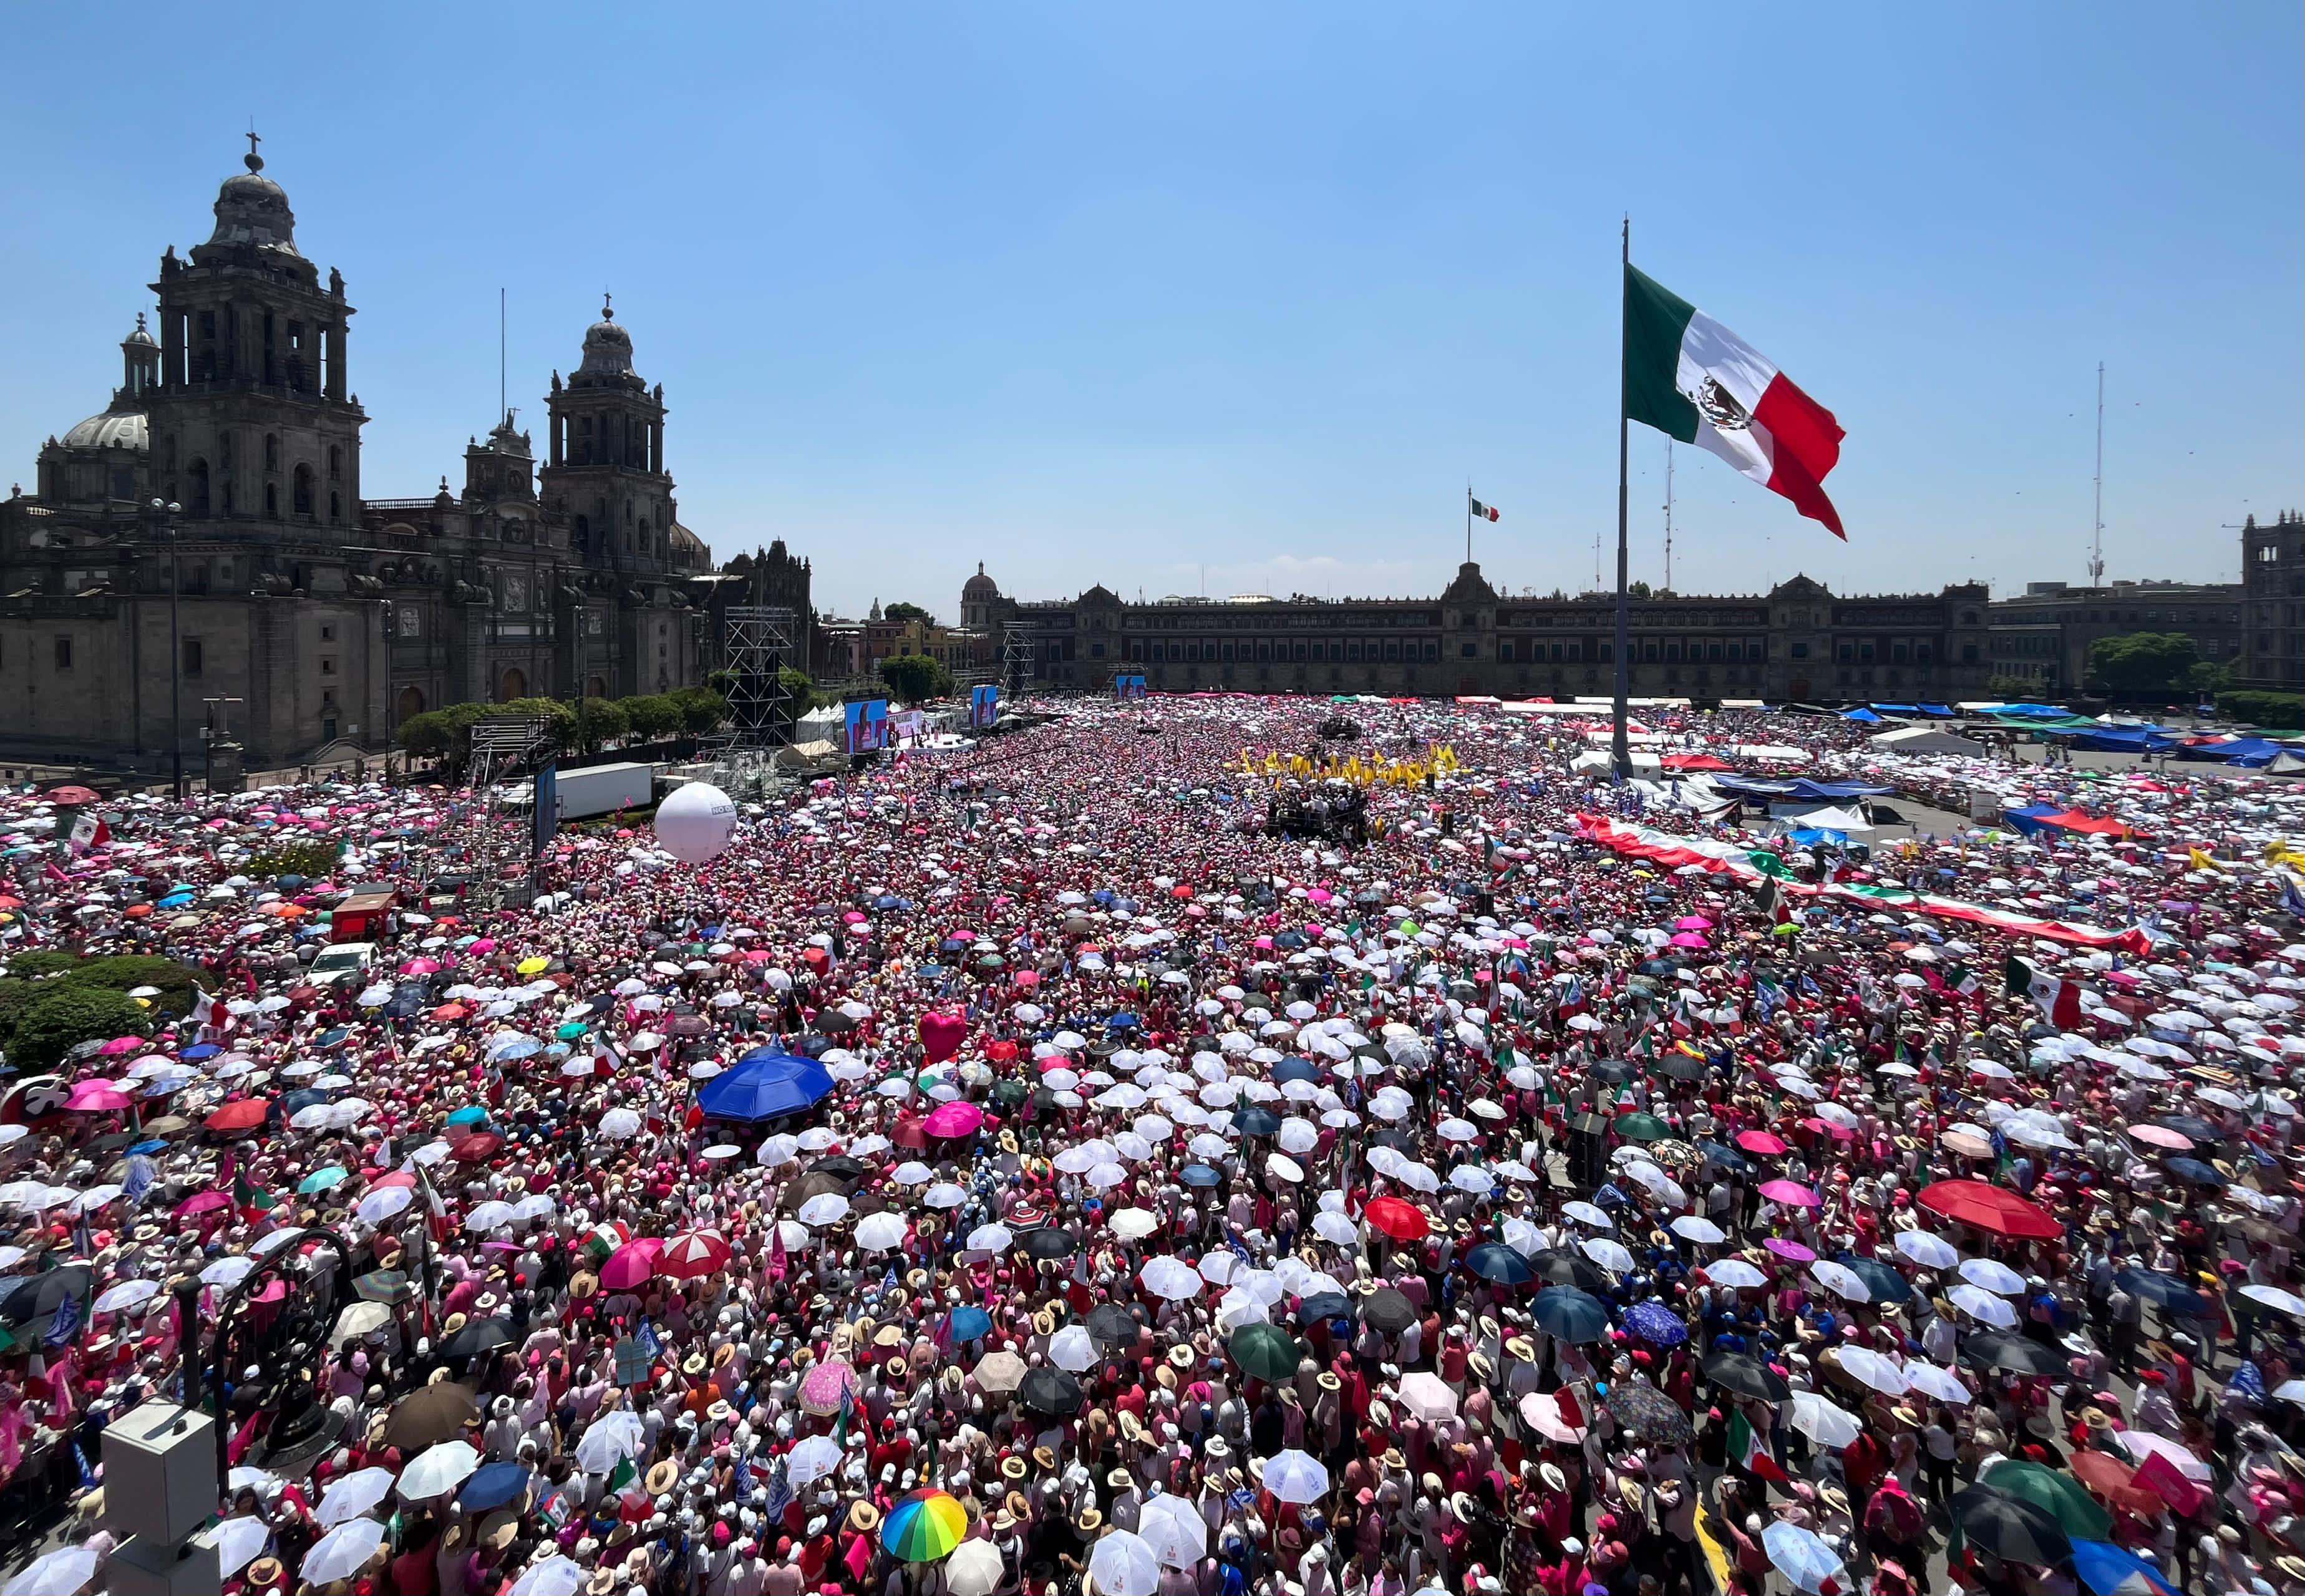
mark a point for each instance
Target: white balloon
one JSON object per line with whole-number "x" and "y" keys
{"x": 695, "y": 822}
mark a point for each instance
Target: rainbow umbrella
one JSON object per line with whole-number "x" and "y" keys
{"x": 924, "y": 1526}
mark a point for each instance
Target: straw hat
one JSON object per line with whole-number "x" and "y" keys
{"x": 863, "y": 1517}
{"x": 661, "y": 1477}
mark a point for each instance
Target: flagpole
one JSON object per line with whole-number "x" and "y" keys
{"x": 1621, "y": 759}
{"x": 1469, "y": 520}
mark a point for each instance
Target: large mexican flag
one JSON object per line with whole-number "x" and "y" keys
{"x": 1693, "y": 379}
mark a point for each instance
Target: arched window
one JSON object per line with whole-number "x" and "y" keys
{"x": 583, "y": 531}
{"x": 303, "y": 498}
{"x": 410, "y": 702}
{"x": 514, "y": 685}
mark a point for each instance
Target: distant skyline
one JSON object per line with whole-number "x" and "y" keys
{"x": 1124, "y": 295}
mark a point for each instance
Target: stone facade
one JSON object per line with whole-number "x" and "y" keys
{"x": 327, "y": 616}
{"x": 1798, "y": 642}
{"x": 2042, "y": 636}
{"x": 2273, "y": 611}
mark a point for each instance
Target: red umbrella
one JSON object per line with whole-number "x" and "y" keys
{"x": 244, "y": 1114}
{"x": 476, "y": 1147}
{"x": 1991, "y": 1208}
{"x": 690, "y": 1255}
{"x": 1760, "y": 1142}
{"x": 1403, "y": 1221}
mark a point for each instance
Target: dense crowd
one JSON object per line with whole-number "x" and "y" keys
{"x": 1028, "y": 1170}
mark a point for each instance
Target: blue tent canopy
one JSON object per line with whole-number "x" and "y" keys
{"x": 2124, "y": 740}
{"x": 2241, "y": 750}
{"x": 1803, "y": 787}
{"x": 1812, "y": 835}
{"x": 2030, "y": 820}
{"x": 765, "y": 1085}
{"x": 1936, "y": 710}
{"x": 1898, "y": 708}
{"x": 1867, "y": 716}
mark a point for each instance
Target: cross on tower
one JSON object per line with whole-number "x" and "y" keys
{"x": 251, "y": 160}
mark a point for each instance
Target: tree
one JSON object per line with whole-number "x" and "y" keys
{"x": 2208, "y": 678}
{"x": 2142, "y": 661}
{"x": 429, "y": 736}
{"x": 2011, "y": 688}
{"x": 913, "y": 677}
{"x": 65, "y": 1015}
{"x": 904, "y": 610}
{"x": 700, "y": 710}
{"x": 1636, "y": 590}
{"x": 651, "y": 716}
{"x": 2281, "y": 711}
{"x": 802, "y": 690}
{"x": 597, "y": 722}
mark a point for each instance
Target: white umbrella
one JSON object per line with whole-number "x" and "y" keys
{"x": 126, "y": 1295}
{"x": 879, "y": 1232}
{"x": 1336, "y": 1229}
{"x": 2273, "y": 1296}
{"x": 1802, "y": 1558}
{"x": 438, "y": 1470}
{"x": 1609, "y": 1255}
{"x": 1696, "y": 1227}
{"x": 556, "y": 1575}
{"x": 237, "y": 1542}
{"x": 1428, "y": 1397}
{"x": 1125, "y": 1565}
{"x": 1175, "y": 1530}
{"x": 1995, "y": 1277}
{"x": 987, "y": 1238}
{"x": 378, "y": 1206}
{"x": 812, "y": 1458}
{"x": 1930, "y": 1252}
{"x": 1073, "y": 1348}
{"x": 826, "y": 1208}
{"x": 1939, "y": 1383}
{"x": 607, "y": 1441}
{"x": 1979, "y": 1304}
{"x": 1822, "y": 1422}
{"x": 975, "y": 1568}
{"x": 1841, "y": 1280}
{"x": 1168, "y": 1276}
{"x": 1737, "y": 1274}
{"x": 341, "y": 1553}
{"x": 617, "y": 1124}
{"x": 59, "y": 1573}
{"x": 1133, "y": 1224}
{"x": 352, "y": 1496}
{"x": 1883, "y": 1374}
{"x": 1297, "y": 1477}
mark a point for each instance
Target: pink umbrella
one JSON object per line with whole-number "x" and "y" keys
{"x": 421, "y": 967}
{"x": 203, "y": 1203}
{"x": 1792, "y": 1250}
{"x": 97, "y": 1097}
{"x": 120, "y": 1044}
{"x": 485, "y": 944}
{"x": 824, "y": 1387}
{"x": 1686, "y": 940}
{"x": 954, "y": 1119}
{"x": 1760, "y": 1142}
{"x": 629, "y": 1265}
{"x": 1790, "y": 1193}
{"x": 2160, "y": 1135}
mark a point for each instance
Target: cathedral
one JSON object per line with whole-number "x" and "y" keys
{"x": 199, "y": 556}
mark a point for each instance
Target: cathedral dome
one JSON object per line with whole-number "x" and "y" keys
{"x": 114, "y": 429}
{"x": 251, "y": 208}
{"x": 979, "y": 586}
{"x": 607, "y": 348}
{"x": 140, "y": 338}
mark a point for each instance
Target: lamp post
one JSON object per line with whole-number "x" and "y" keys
{"x": 167, "y": 512}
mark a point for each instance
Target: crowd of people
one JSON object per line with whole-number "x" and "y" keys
{"x": 1026, "y": 1171}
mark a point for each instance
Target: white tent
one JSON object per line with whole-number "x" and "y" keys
{"x": 1829, "y": 818}
{"x": 1644, "y": 762}
{"x": 1927, "y": 739}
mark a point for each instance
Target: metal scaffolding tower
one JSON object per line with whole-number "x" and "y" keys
{"x": 1016, "y": 661}
{"x": 758, "y": 645}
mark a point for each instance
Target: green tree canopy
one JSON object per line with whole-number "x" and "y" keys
{"x": 2143, "y": 661}
{"x": 913, "y": 677}
{"x": 651, "y": 716}
{"x": 598, "y": 721}
{"x": 904, "y": 610}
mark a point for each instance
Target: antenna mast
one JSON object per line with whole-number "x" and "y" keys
{"x": 2096, "y": 531}
{"x": 1668, "y": 515}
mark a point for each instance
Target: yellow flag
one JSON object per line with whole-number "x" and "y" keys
{"x": 2202, "y": 862}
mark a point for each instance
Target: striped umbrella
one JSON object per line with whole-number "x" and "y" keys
{"x": 692, "y": 1254}
{"x": 924, "y": 1526}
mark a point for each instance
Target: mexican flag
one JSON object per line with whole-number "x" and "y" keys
{"x": 1482, "y": 512}
{"x": 1693, "y": 379}
{"x": 2060, "y": 1001}
{"x": 1747, "y": 1451}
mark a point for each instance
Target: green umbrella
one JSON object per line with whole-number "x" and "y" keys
{"x": 573, "y": 1029}
{"x": 1265, "y": 1351}
{"x": 2059, "y": 1495}
{"x": 1642, "y": 1127}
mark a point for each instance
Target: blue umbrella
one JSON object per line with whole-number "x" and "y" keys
{"x": 153, "y": 1144}
{"x": 1295, "y": 1067}
{"x": 2165, "y": 1292}
{"x": 1200, "y": 1175}
{"x": 469, "y": 1114}
{"x": 200, "y": 1050}
{"x": 1885, "y": 1284}
{"x": 1326, "y": 1304}
{"x": 491, "y": 1486}
{"x": 1571, "y": 1314}
{"x": 1493, "y": 1260}
{"x": 2193, "y": 1172}
{"x": 1655, "y": 1323}
{"x": 1123, "y": 1022}
{"x": 966, "y": 1323}
{"x": 765, "y": 1085}
{"x": 2111, "y": 1570}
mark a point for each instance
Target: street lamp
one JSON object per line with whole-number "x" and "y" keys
{"x": 168, "y": 511}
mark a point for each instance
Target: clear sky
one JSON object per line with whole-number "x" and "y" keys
{"x": 1129, "y": 292}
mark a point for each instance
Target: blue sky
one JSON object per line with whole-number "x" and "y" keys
{"x": 1127, "y": 293}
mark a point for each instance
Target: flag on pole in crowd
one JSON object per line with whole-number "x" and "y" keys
{"x": 1696, "y": 381}
{"x": 2060, "y": 1001}
{"x": 1749, "y": 1451}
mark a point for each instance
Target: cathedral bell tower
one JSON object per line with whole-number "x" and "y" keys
{"x": 606, "y": 475}
{"x": 250, "y": 421}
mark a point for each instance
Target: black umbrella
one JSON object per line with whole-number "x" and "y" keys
{"x": 1567, "y": 1268}
{"x": 2165, "y": 1292}
{"x": 1680, "y": 1067}
{"x": 1050, "y": 1390}
{"x": 842, "y": 1165}
{"x": 38, "y": 1294}
{"x": 1049, "y": 1242}
{"x": 1387, "y": 1311}
{"x": 1885, "y": 1284}
{"x": 1728, "y": 1157}
{"x": 2015, "y": 1354}
{"x": 1747, "y": 1375}
{"x": 1615, "y": 1072}
{"x": 2191, "y": 1126}
{"x": 2010, "y": 1528}
{"x": 1648, "y": 1413}
{"x": 1493, "y": 1260}
{"x": 479, "y": 1336}
{"x": 1112, "y": 1325}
